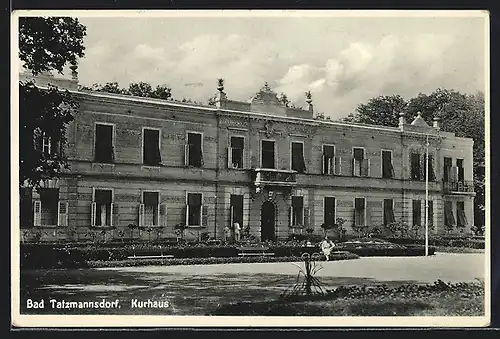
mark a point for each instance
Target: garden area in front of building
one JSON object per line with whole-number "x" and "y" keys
{"x": 444, "y": 284}
{"x": 365, "y": 275}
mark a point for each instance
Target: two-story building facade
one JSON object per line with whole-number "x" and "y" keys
{"x": 274, "y": 169}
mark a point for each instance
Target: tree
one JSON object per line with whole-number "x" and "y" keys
{"x": 382, "y": 110}
{"x": 162, "y": 92}
{"x": 283, "y": 99}
{"x": 45, "y": 44}
{"x": 140, "y": 89}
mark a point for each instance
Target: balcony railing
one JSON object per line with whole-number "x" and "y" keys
{"x": 458, "y": 186}
{"x": 264, "y": 176}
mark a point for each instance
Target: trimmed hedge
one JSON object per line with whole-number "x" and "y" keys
{"x": 209, "y": 261}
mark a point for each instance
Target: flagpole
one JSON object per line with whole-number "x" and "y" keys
{"x": 427, "y": 196}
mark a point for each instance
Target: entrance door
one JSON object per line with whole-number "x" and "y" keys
{"x": 267, "y": 219}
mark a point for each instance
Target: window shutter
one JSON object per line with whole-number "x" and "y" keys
{"x": 158, "y": 217}
{"x": 368, "y": 167}
{"x": 231, "y": 217}
{"x": 111, "y": 212}
{"x": 204, "y": 216}
{"x": 141, "y": 214}
{"x": 37, "y": 213}
{"x": 186, "y": 214}
{"x": 323, "y": 164}
{"x": 186, "y": 155}
{"x": 229, "y": 157}
{"x": 306, "y": 216}
{"x": 290, "y": 216}
{"x": 338, "y": 165}
{"x": 163, "y": 214}
{"x": 368, "y": 216}
{"x": 331, "y": 166}
{"x": 62, "y": 213}
{"x": 455, "y": 173}
{"x": 93, "y": 214}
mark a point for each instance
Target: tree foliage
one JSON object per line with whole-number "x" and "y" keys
{"x": 43, "y": 113}
{"x": 462, "y": 114}
{"x": 45, "y": 44}
{"x": 382, "y": 110}
{"x": 51, "y": 43}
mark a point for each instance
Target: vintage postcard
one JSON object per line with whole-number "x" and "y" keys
{"x": 250, "y": 168}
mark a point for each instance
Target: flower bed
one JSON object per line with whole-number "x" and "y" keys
{"x": 438, "y": 299}
{"x": 47, "y": 256}
{"x": 470, "y": 242}
{"x": 371, "y": 247}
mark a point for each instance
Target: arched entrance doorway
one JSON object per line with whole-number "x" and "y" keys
{"x": 267, "y": 221}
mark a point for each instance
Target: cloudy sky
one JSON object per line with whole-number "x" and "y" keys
{"x": 343, "y": 61}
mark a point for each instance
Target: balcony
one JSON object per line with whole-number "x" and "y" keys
{"x": 274, "y": 177}
{"x": 458, "y": 187}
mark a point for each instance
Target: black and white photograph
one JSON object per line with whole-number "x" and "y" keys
{"x": 250, "y": 168}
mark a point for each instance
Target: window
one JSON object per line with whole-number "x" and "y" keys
{"x": 149, "y": 210}
{"x": 194, "y": 208}
{"x": 45, "y": 144}
{"x": 102, "y": 208}
{"x": 461, "y": 218}
{"x": 329, "y": 211}
{"x": 387, "y": 169}
{"x": 328, "y": 159}
{"x": 236, "y": 204}
{"x": 359, "y": 212}
{"x": 151, "y": 147}
{"x": 460, "y": 169}
{"x": 26, "y": 207}
{"x": 193, "y": 150}
{"x": 388, "y": 211}
{"x": 297, "y": 211}
{"x": 298, "y": 163}
{"x": 104, "y": 152}
{"x": 447, "y": 175}
{"x": 235, "y": 152}
{"x": 417, "y": 212}
{"x": 416, "y": 171}
{"x": 449, "y": 218}
{"x": 360, "y": 164}
{"x": 430, "y": 213}
{"x": 267, "y": 154}
{"x": 46, "y": 209}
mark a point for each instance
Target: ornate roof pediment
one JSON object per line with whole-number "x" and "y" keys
{"x": 266, "y": 96}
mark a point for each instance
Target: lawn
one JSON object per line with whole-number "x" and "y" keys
{"x": 464, "y": 300}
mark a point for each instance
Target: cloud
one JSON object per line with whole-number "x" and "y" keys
{"x": 402, "y": 65}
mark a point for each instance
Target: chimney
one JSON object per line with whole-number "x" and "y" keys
{"x": 435, "y": 123}
{"x": 74, "y": 72}
{"x": 402, "y": 121}
{"x": 309, "y": 102}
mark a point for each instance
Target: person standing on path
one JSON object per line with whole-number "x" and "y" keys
{"x": 227, "y": 233}
{"x": 237, "y": 230}
{"x": 326, "y": 246}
